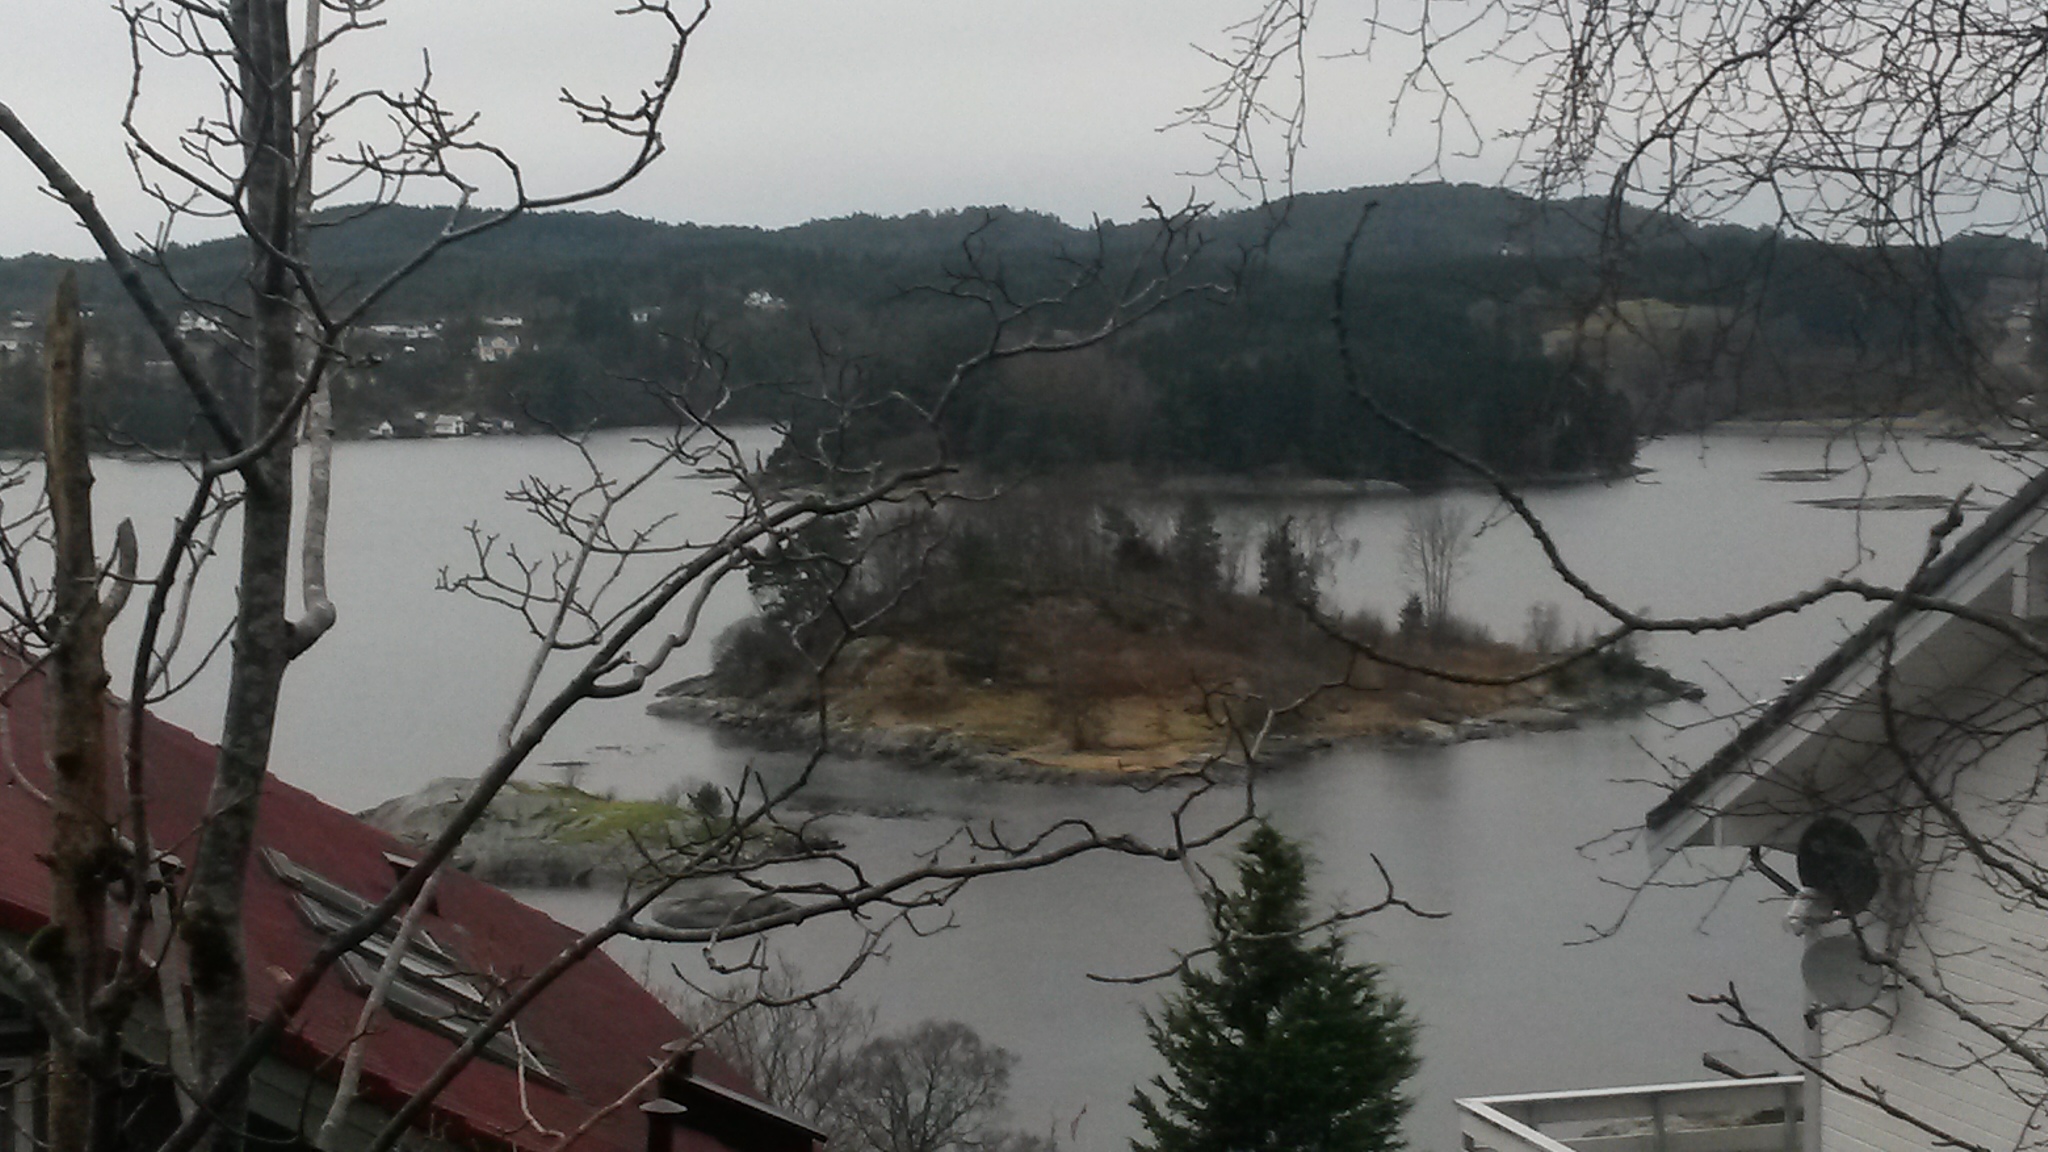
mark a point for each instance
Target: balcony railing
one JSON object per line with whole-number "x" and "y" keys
{"x": 1760, "y": 1115}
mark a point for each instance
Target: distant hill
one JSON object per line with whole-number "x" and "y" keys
{"x": 1478, "y": 308}
{"x": 548, "y": 254}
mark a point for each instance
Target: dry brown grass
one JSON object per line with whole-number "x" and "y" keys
{"x": 1136, "y": 682}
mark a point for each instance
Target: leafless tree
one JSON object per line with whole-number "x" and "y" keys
{"x": 616, "y": 593}
{"x": 1545, "y": 631}
{"x": 250, "y": 162}
{"x": 1885, "y": 144}
{"x": 934, "y": 1087}
{"x": 1435, "y": 539}
{"x": 926, "y": 1088}
{"x": 785, "y": 1035}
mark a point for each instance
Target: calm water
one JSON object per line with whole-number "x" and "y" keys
{"x": 414, "y": 683}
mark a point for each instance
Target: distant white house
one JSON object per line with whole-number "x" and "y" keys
{"x": 383, "y": 431}
{"x": 507, "y": 321}
{"x": 763, "y": 300}
{"x": 646, "y": 314}
{"x": 412, "y": 332}
{"x": 495, "y": 347}
{"x": 450, "y": 425}
{"x": 190, "y": 322}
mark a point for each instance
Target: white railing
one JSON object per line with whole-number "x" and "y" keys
{"x": 1760, "y": 1115}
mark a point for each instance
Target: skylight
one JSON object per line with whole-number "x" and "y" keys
{"x": 433, "y": 989}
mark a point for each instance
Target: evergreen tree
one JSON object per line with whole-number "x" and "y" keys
{"x": 1287, "y": 572}
{"x": 1130, "y": 548}
{"x": 1414, "y": 620}
{"x": 1196, "y": 547}
{"x": 1285, "y": 1045}
{"x": 797, "y": 574}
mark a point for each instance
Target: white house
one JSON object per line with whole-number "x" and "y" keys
{"x": 1907, "y": 776}
{"x": 191, "y": 322}
{"x": 496, "y": 347}
{"x": 410, "y": 332}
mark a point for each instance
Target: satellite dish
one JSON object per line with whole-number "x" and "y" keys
{"x": 1837, "y": 976}
{"x": 663, "y": 1107}
{"x": 1836, "y": 861}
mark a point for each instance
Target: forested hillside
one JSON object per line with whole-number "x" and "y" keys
{"x": 1489, "y": 319}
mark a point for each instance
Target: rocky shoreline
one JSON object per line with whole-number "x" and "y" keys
{"x": 777, "y": 726}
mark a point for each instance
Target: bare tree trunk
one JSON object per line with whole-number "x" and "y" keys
{"x": 319, "y": 608}
{"x": 171, "y": 982}
{"x": 350, "y": 1080}
{"x": 82, "y": 857}
{"x": 262, "y": 640}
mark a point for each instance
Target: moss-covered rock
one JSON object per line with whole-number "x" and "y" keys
{"x": 549, "y": 835}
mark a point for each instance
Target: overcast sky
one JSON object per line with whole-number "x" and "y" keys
{"x": 789, "y": 109}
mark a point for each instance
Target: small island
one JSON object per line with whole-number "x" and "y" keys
{"x": 1028, "y": 637}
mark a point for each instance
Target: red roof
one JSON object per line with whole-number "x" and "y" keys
{"x": 597, "y": 1027}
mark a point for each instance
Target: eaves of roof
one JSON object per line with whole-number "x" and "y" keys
{"x": 1930, "y": 582}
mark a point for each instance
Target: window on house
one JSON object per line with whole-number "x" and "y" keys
{"x": 433, "y": 989}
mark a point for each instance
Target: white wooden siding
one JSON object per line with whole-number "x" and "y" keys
{"x": 1990, "y": 954}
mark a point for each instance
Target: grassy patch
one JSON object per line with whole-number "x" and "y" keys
{"x": 581, "y": 817}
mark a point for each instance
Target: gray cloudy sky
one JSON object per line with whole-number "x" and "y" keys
{"x": 790, "y": 109}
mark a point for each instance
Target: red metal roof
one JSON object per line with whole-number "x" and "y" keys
{"x": 598, "y": 1028}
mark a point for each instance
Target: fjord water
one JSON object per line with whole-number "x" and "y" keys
{"x": 1511, "y": 837}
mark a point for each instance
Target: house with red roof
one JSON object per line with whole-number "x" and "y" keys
{"x": 576, "y": 1059}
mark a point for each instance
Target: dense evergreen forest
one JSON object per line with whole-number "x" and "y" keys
{"x": 1498, "y": 323}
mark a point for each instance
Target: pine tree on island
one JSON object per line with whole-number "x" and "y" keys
{"x": 1283, "y": 1044}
